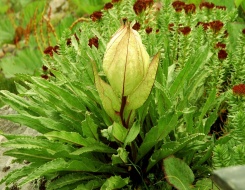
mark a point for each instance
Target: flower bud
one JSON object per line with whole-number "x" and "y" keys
{"x": 126, "y": 61}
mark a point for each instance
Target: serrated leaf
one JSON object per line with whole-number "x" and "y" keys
{"x": 96, "y": 147}
{"x": 27, "y": 120}
{"x": 70, "y": 137}
{"x": 114, "y": 182}
{"x": 207, "y": 105}
{"x": 68, "y": 180}
{"x": 92, "y": 184}
{"x": 90, "y": 128}
{"x": 178, "y": 173}
{"x": 32, "y": 142}
{"x": 165, "y": 125}
{"x": 67, "y": 97}
{"x": 194, "y": 63}
{"x": 170, "y": 148}
{"x": 31, "y": 154}
{"x": 205, "y": 184}
{"x": 53, "y": 166}
{"x": 19, "y": 173}
{"x": 121, "y": 157}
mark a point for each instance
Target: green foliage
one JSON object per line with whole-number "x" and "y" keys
{"x": 88, "y": 6}
{"x": 81, "y": 145}
{"x": 178, "y": 173}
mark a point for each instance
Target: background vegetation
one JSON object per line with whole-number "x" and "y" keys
{"x": 191, "y": 123}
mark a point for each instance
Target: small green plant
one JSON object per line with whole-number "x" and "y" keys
{"x": 132, "y": 107}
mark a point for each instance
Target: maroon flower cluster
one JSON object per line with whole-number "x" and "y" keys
{"x": 148, "y": 30}
{"x": 222, "y": 54}
{"x": 46, "y": 72}
{"x": 49, "y": 50}
{"x": 108, "y": 6}
{"x": 171, "y": 27}
{"x": 206, "y": 5}
{"x": 190, "y": 8}
{"x": 220, "y": 45}
{"x": 180, "y": 5}
{"x": 243, "y": 31}
{"x": 220, "y": 7}
{"x": 97, "y": 15}
{"x": 239, "y": 89}
{"x": 141, "y": 5}
{"x": 136, "y": 26}
{"x": 94, "y": 42}
{"x": 185, "y": 30}
{"x": 214, "y": 25}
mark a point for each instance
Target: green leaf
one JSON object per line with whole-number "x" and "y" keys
{"x": 170, "y": 148}
{"x": 195, "y": 62}
{"x": 133, "y": 133}
{"x": 70, "y": 137}
{"x": 238, "y": 2}
{"x": 89, "y": 127}
{"x": 178, "y": 173}
{"x": 115, "y": 182}
{"x": 95, "y": 147}
{"x": 19, "y": 173}
{"x": 50, "y": 167}
{"x": 68, "y": 180}
{"x": 32, "y": 142}
{"x": 65, "y": 96}
{"x": 31, "y": 154}
{"x": 115, "y": 132}
{"x": 121, "y": 157}
{"x": 109, "y": 99}
{"x": 165, "y": 125}
{"x": 92, "y": 184}
{"x": 205, "y": 184}
{"x": 210, "y": 101}
{"x": 27, "y": 120}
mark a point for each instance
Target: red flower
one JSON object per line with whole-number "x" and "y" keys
{"x": 226, "y": 34}
{"x": 136, "y": 26}
{"x": 207, "y": 5}
{"x": 178, "y": 5}
{"x": 68, "y": 42}
{"x": 97, "y": 15}
{"x": 94, "y": 41}
{"x": 108, "y": 6}
{"x": 49, "y": 50}
{"x": 190, "y": 8}
{"x": 55, "y": 49}
{"x": 44, "y": 76}
{"x": 170, "y": 27}
{"x": 239, "y": 89}
{"x": 45, "y": 68}
{"x": 204, "y": 25}
{"x": 185, "y": 30}
{"x": 221, "y": 7}
{"x": 220, "y": 45}
{"x": 141, "y": 5}
{"x": 216, "y": 25}
{"x": 222, "y": 54}
{"x": 148, "y": 30}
